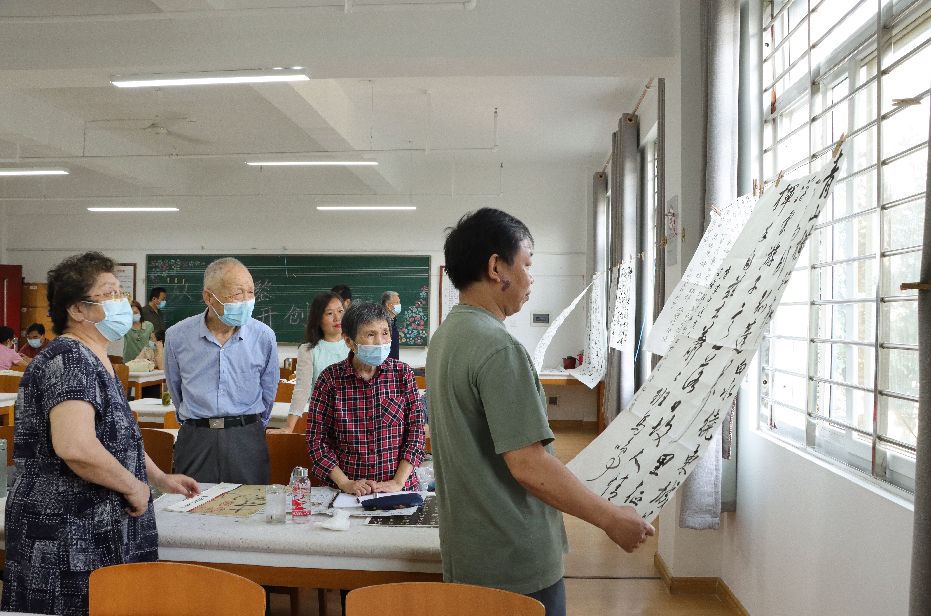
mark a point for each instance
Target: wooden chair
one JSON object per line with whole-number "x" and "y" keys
{"x": 9, "y": 384}
{"x": 6, "y": 433}
{"x": 160, "y": 446}
{"x": 301, "y": 426}
{"x": 285, "y": 451}
{"x": 429, "y": 598}
{"x": 169, "y": 589}
{"x": 135, "y": 415}
{"x": 285, "y": 391}
{"x": 18, "y": 368}
{"x": 115, "y": 359}
{"x": 286, "y": 373}
{"x": 7, "y": 415}
{"x": 421, "y": 382}
{"x": 171, "y": 421}
{"x": 122, "y": 371}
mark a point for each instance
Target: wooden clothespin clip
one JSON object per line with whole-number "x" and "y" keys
{"x": 915, "y": 286}
{"x": 840, "y": 142}
{"x": 662, "y": 241}
{"x": 755, "y": 187}
{"x": 641, "y": 256}
{"x": 779, "y": 179}
{"x": 906, "y": 102}
{"x": 715, "y": 210}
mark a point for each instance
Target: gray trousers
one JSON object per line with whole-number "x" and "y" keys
{"x": 231, "y": 455}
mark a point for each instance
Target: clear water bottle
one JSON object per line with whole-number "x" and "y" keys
{"x": 300, "y": 495}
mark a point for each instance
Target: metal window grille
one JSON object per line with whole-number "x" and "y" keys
{"x": 839, "y": 366}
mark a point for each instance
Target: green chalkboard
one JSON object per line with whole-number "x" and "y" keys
{"x": 285, "y": 285}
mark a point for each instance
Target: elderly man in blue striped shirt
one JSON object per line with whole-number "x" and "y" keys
{"x": 222, "y": 371}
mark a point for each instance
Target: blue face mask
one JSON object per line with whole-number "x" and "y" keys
{"x": 35, "y": 343}
{"x": 117, "y": 320}
{"x": 373, "y": 354}
{"x": 136, "y": 317}
{"x": 162, "y": 304}
{"x": 151, "y": 344}
{"x": 237, "y": 314}
{"x": 397, "y": 309}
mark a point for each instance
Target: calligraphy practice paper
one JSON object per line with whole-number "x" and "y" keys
{"x": 540, "y": 351}
{"x": 649, "y": 449}
{"x": 623, "y": 319}
{"x": 592, "y": 369}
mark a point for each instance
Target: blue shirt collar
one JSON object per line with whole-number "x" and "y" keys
{"x": 239, "y": 334}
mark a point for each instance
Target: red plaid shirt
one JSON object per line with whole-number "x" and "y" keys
{"x": 365, "y": 427}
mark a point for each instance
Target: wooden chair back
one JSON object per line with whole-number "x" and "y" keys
{"x": 285, "y": 451}
{"x": 435, "y": 598}
{"x": 285, "y": 392}
{"x": 18, "y": 368}
{"x": 115, "y": 359}
{"x": 135, "y": 415}
{"x": 301, "y": 426}
{"x": 169, "y": 589}
{"x": 160, "y": 446}
{"x": 6, "y": 433}
{"x": 286, "y": 373}
{"x": 421, "y": 382}
{"x": 122, "y": 371}
{"x": 171, "y": 421}
{"x": 9, "y": 384}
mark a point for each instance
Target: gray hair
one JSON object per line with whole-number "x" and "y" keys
{"x": 214, "y": 272}
{"x": 363, "y": 313}
{"x": 388, "y": 295}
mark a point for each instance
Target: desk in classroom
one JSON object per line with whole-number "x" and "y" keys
{"x": 7, "y": 404}
{"x": 562, "y": 377}
{"x": 300, "y": 556}
{"x": 151, "y": 411}
{"x": 144, "y": 379}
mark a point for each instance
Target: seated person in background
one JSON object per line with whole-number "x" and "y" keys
{"x": 323, "y": 346}
{"x": 35, "y": 342}
{"x": 153, "y": 352}
{"x": 344, "y": 292}
{"x": 9, "y": 357}
{"x": 137, "y": 338}
{"x": 365, "y": 426}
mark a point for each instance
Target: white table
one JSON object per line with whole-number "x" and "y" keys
{"x": 7, "y": 399}
{"x": 144, "y": 379}
{"x": 299, "y": 555}
{"x": 7, "y": 403}
{"x": 151, "y": 410}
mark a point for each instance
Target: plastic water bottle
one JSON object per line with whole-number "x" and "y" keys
{"x": 300, "y": 495}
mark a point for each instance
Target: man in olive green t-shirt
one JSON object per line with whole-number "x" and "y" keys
{"x": 500, "y": 488}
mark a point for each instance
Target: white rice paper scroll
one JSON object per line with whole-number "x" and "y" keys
{"x": 623, "y": 320}
{"x": 540, "y": 351}
{"x": 593, "y": 368}
{"x": 648, "y": 450}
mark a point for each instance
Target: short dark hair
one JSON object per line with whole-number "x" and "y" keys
{"x": 388, "y": 295}
{"x": 313, "y": 332}
{"x": 363, "y": 313}
{"x": 343, "y": 291}
{"x": 6, "y": 334}
{"x": 154, "y": 293}
{"x": 70, "y": 281}
{"x": 36, "y": 327}
{"x": 138, "y": 306}
{"x": 159, "y": 335}
{"x": 478, "y": 235}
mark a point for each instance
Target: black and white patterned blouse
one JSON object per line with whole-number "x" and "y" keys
{"x": 59, "y": 527}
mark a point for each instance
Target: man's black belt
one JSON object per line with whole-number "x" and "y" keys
{"x": 223, "y": 422}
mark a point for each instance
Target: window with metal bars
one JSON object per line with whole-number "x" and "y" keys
{"x": 839, "y": 365}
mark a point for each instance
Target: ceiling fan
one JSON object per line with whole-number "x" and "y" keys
{"x": 160, "y": 127}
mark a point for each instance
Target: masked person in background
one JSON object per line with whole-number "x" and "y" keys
{"x": 221, "y": 367}
{"x": 35, "y": 342}
{"x": 365, "y": 425}
{"x": 392, "y": 303}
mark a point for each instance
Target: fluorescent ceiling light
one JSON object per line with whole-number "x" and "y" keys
{"x": 32, "y": 171}
{"x": 211, "y": 78}
{"x": 366, "y": 207}
{"x": 313, "y": 162}
{"x": 132, "y": 209}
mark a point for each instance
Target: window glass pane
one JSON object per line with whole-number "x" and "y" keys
{"x": 847, "y": 363}
{"x": 789, "y": 353}
{"x": 847, "y": 321}
{"x": 851, "y": 406}
{"x": 911, "y": 77}
{"x": 901, "y": 371}
{"x": 900, "y": 322}
{"x": 899, "y": 269}
{"x": 862, "y": 150}
{"x": 906, "y": 176}
{"x": 847, "y": 27}
{"x": 852, "y": 238}
{"x": 903, "y": 420}
{"x": 907, "y": 128}
{"x": 783, "y": 418}
{"x": 853, "y": 195}
{"x": 797, "y": 290}
{"x": 789, "y": 389}
{"x": 852, "y": 280}
{"x": 903, "y": 225}
{"x": 791, "y": 321}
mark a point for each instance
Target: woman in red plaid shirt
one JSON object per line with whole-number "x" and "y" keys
{"x": 365, "y": 426}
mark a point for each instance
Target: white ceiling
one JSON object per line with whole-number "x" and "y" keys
{"x": 413, "y": 87}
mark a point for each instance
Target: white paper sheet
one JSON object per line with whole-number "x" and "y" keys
{"x": 205, "y": 496}
{"x": 649, "y": 449}
{"x": 623, "y": 319}
{"x": 544, "y": 343}
{"x": 592, "y": 369}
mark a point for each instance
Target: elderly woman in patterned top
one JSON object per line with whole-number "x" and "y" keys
{"x": 81, "y": 500}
